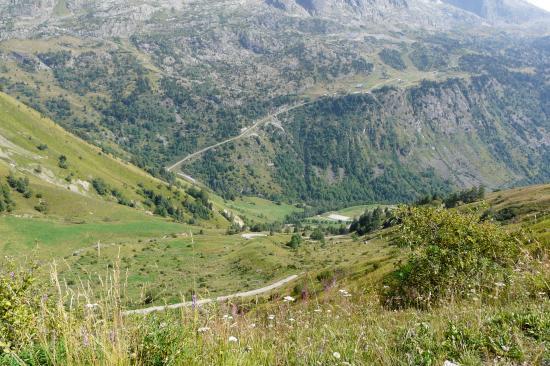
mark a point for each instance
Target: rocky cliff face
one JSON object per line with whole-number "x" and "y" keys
{"x": 25, "y": 18}
{"x": 367, "y": 8}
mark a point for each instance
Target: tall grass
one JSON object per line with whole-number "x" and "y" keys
{"x": 330, "y": 321}
{"x": 336, "y": 326}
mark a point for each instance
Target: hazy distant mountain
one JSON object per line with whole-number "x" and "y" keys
{"x": 20, "y": 18}
{"x": 513, "y": 11}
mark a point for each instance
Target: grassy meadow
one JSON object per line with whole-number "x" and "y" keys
{"x": 333, "y": 314}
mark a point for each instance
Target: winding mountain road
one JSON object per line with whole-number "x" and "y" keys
{"x": 250, "y": 293}
{"x": 258, "y": 123}
{"x": 245, "y": 133}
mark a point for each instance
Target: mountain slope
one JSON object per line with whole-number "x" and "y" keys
{"x": 72, "y": 182}
{"x": 155, "y": 84}
{"x": 395, "y": 144}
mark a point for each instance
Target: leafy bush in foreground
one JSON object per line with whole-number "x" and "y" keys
{"x": 452, "y": 255}
{"x": 17, "y": 307}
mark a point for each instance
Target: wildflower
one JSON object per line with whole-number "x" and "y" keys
{"x": 336, "y": 355}
{"x": 227, "y": 317}
{"x": 288, "y": 299}
{"x": 345, "y": 293}
{"x": 203, "y": 329}
{"x": 449, "y": 363}
{"x": 91, "y": 306}
{"x": 271, "y": 317}
{"x": 85, "y": 338}
{"x": 291, "y": 320}
{"x": 253, "y": 325}
{"x": 505, "y": 348}
{"x": 499, "y": 284}
{"x": 232, "y": 339}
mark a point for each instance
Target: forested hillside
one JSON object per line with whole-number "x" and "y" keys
{"x": 397, "y": 144}
{"x": 392, "y": 111}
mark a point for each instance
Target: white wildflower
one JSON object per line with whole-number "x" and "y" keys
{"x": 252, "y": 325}
{"x": 449, "y": 363}
{"x": 288, "y": 299}
{"x": 232, "y": 339}
{"x": 291, "y": 320}
{"x": 91, "y": 306}
{"x": 499, "y": 284}
{"x": 336, "y": 355}
{"x": 271, "y": 317}
{"x": 203, "y": 329}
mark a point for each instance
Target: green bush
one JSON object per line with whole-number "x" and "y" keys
{"x": 18, "y": 302}
{"x": 21, "y": 185}
{"x": 63, "y": 162}
{"x": 317, "y": 235}
{"x": 100, "y": 186}
{"x": 42, "y": 207}
{"x": 452, "y": 255}
{"x": 295, "y": 241}
{"x": 6, "y": 203}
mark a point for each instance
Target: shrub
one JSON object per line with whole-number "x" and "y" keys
{"x": 506, "y": 214}
{"x": 6, "y": 203}
{"x": 317, "y": 235}
{"x": 62, "y": 162}
{"x": 451, "y": 255}
{"x": 42, "y": 207}
{"x": 18, "y": 302}
{"x": 21, "y": 185}
{"x": 100, "y": 186}
{"x": 295, "y": 241}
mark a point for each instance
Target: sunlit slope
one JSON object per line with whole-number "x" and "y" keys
{"x": 33, "y": 147}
